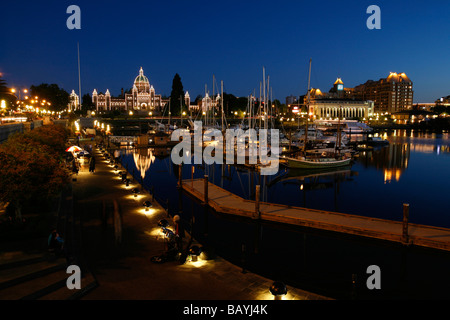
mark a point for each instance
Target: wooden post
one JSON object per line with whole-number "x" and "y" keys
{"x": 192, "y": 176}
{"x": 405, "y": 223}
{"x": 257, "y": 196}
{"x": 290, "y": 139}
{"x": 179, "y": 175}
{"x": 206, "y": 189}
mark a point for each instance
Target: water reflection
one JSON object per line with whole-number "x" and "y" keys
{"x": 392, "y": 160}
{"x": 302, "y": 257}
{"x": 143, "y": 158}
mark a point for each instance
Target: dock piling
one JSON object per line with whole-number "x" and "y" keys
{"x": 405, "y": 223}
{"x": 179, "y": 175}
{"x": 206, "y": 190}
{"x": 257, "y": 196}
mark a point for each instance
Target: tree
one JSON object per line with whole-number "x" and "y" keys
{"x": 58, "y": 97}
{"x": 32, "y": 169}
{"x": 6, "y": 94}
{"x": 86, "y": 103}
{"x": 232, "y": 103}
{"x": 3, "y": 87}
{"x": 176, "y": 94}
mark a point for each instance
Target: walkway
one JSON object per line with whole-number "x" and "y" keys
{"x": 123, "y": 268}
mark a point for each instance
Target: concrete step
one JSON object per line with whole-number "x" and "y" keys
{"x": 88, "y": 283}
{"x": 34, "y": 269}
{"x": 29, "y": 286}
{"x": 47, "y": 283}
{"x": 12, "y": 259}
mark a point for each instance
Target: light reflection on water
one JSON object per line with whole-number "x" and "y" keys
{"x": 412, "y": 169}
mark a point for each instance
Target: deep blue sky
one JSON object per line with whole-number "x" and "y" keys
{"x": 231, "y": 39}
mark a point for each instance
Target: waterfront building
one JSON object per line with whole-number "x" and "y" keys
{"x": 141, "y": 99}
{"x": 208, "y": 103}
{"x": 443, "y": 101}
{"x": 74, "y": 101}
{"x": 291, "y": 100}
{"x": 391, "y": 94}
{"x": 338, "y": 102}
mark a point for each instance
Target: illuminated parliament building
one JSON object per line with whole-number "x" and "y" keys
{"x": 141, "y": 99}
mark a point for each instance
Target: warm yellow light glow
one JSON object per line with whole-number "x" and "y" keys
{"x": 199, "y": 263}
{"x": 137, "y": 197}
{"x": 155, "y": 232}
{"x": 148, "y": 212}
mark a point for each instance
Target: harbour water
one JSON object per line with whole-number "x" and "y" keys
{"x": 412, "y": 169}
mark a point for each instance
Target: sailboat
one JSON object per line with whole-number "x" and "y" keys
{"x": 316, "y": 161}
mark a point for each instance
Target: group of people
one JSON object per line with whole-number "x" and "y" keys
{"x": 76, "y": 166}
{"x": 176, "y": 249}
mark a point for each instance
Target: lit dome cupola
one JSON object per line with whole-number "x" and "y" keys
{"x": 141, "y": 82}
{"x": 338, "y": 85}
{"x": 398, "y": 77}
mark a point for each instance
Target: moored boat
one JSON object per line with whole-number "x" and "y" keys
{"x": 317, "y": 162}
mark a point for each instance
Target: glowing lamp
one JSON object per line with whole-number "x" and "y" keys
{"x": 147, "y": 205}
{"x": 135, "y": 191}
{"x": 195, "y": 251}
{"x": 163, "y": 223}
{"x": 278, "y": 290}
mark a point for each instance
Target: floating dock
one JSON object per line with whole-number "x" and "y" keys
{"x": 226, "y": 202}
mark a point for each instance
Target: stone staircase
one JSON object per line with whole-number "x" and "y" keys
{"x": 39, "y": 277}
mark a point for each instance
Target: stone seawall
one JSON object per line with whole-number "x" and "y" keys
{"x": 8, "y": 129}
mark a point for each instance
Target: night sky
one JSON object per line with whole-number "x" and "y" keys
{"x": 232, "y": 40}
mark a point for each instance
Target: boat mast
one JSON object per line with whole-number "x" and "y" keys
{"x": 259, "y": 111}
{"x": 213, "y": 109}
{"x": 266, "y": 124}
{"x": 79, "y": 77}
{"x": 169, "y": 116}
{"x": 337, "y": 145}
{"x": 307, "y": 106}
{"x": 264, "y": 93}
{"x": 221, "y": 101}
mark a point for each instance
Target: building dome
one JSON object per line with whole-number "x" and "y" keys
{"x": 141, "y": 82}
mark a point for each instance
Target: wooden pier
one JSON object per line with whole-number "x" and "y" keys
{"x": 223, "y": 201}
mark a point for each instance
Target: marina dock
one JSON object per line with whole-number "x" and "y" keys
{"x": 223, "y": 201}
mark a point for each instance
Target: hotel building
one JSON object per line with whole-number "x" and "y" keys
{"x": 391, "y": 94}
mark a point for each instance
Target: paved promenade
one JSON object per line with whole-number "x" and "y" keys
{"x": 123, "y": 269}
